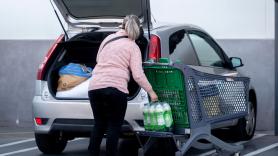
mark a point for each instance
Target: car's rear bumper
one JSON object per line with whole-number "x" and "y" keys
{"x": 81, "y": 127}
{"x": 76, "y": 115}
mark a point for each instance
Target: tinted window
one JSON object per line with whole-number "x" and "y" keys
{"x": 181, "y": 49}
{"x": 207, "y": 54}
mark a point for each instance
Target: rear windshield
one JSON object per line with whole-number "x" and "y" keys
{"x": 103, "y": 8}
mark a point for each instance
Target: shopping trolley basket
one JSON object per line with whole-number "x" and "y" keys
{"x": 198, "y": 100}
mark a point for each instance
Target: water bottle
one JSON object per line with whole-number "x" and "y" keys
{"x": 153, "y": 119}
{"x": 168, "y": 116}
{"x": 160, "y": 117}
{"x": 147, "y": 119}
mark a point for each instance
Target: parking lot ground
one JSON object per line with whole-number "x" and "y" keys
{"x": 21, "y": 142}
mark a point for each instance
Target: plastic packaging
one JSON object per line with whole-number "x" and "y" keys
{"x": 168, "y": 116}
{"x": 147, "y": 117}
{"x": 158, "y": 117}
{"x": 159, "y": 111}
{"x": 153, "y": 118}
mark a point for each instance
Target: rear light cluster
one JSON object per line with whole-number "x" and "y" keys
{"x": 41, "y": 121}
{"x": 41, "y": 69}
{"x": 154, "y": 48}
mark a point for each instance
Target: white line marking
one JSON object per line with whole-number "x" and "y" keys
{"x": 208, "y": 153}
{"x": 262, "y": 150}
{"x": 19, "y": 151}
{"x": 16, "y": 133}
{"x": 77, "y": 139}
{"x": 28, "y": 140}
{"x": 17, "y": 142}
{"x": 28, "y": 149}
{"x": 237, "y": 143}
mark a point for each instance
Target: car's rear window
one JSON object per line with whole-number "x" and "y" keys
{"x": 103, "y": 8}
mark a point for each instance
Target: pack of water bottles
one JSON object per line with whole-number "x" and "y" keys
{"x": 158, "y": 117}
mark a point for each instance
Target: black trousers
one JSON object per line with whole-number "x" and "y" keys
{"x": 109, "y": 107}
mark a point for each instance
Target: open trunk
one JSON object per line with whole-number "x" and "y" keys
{"x": 83, "y": 49}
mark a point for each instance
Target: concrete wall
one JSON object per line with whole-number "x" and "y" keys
{"x": 20, "y": 60}
{"x": 258, "y": 60}
{"x": 225, "y": 19}
{"x": 28, "y": 19}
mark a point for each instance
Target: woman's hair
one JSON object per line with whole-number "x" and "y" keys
{"x": 131, "y": 24}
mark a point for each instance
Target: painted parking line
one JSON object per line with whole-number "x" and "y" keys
{"x": 261, "y": 150}
{"x": 19, "y": 151}
{"x": 208, "y": 153}
{"x": 8, "y": 133}
{"x": 17, "y": 142}
{"x": 28, "y": 149}
{"x": 237, "y": 143}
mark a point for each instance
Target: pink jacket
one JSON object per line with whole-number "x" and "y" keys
{"x": 114, "y": 62}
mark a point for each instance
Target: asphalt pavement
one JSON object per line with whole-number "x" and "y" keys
{"x": 21, "y": 142}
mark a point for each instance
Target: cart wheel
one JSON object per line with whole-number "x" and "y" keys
{"x": 178, "y": 153}
{"x": 140, "y": 152}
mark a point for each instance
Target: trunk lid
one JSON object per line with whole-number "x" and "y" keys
{"x": 102, "y": 13}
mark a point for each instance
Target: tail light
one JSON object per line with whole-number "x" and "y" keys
{"x": 41, "y": 121}
{"x": 38, "y": 121}
{"x": 41, "y": 69}
{"x": 154, "y": 48}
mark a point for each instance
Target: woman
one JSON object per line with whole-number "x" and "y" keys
{"x": 118, "y": 55}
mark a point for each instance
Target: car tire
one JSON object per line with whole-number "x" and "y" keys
{"x": 128, "y": 146}
{"x": 245, "y": 128}
{"x": 50, "y": 143}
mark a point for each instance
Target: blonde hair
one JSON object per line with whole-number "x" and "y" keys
{"x": 131, "y": 24}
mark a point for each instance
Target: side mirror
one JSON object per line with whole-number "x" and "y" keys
{"x": 236, "y": 62}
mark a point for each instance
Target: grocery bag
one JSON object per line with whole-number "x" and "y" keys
{"x": 72, "y": 75}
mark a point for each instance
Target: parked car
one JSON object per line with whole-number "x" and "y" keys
{"x": 57, "y": 120}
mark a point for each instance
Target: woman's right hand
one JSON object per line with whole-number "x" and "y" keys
{"x": 153, "y": 96}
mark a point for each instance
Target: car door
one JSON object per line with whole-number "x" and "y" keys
{"x": 180, "y": 48}
{"x": 211, "y": 57}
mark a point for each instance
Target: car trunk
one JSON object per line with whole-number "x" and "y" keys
{"x": 83, "y": 49}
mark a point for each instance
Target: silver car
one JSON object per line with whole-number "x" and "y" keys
{"x": 86, "y": 24}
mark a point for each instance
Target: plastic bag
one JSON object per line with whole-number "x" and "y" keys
{"x": 79, "y": 91}
{"x": 72, "y": 75}
{"x": 76, "y": 69}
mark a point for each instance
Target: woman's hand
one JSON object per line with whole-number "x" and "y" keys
{"x": 153, "y": 96}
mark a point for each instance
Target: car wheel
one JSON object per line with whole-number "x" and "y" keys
{"x": 128, "y": 146}
{"x": 245, "y": 127}
{"x": 50, "y": 143}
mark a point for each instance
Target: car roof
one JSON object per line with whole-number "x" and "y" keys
{"x": 164, "y": 26}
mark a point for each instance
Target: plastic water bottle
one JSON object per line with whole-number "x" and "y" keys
{"x": 153, "y": 119}
{"x": 160, "y": 117}
{"x": 168, "y": 116}
{"x": 147, "y": 118}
